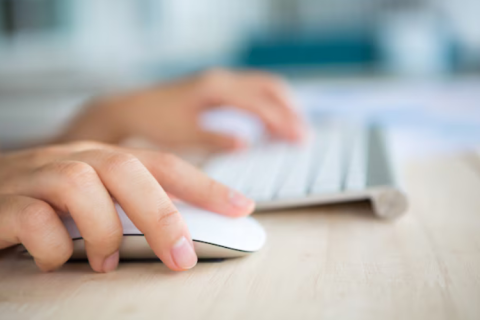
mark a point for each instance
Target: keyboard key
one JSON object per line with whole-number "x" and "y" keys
{"x": 338, "y": 157}
{"x": 356, "y": 178}
{"x": 330, "y": 173}
{"x": 297, "y": 177}
{"x": 265, "y": 171}
{"x": 229, "y": 169}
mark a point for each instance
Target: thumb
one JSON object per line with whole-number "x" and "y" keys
{"x": 218, "y": 141}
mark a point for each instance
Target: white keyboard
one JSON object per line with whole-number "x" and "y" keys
{"x": 338, "y": 163}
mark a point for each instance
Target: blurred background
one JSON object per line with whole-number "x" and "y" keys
{"x": 55, "y": 54}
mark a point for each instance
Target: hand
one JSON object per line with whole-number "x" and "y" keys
{"x": 80, "y": 179}
{"x": 168, "y": 114}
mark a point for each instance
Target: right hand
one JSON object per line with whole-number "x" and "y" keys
{"x": 80, "y": 179}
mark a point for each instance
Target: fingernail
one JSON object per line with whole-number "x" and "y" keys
{"x": 183, "y": 254}
{"x": 239, "y": 200}
{"x": 111, "y": 262}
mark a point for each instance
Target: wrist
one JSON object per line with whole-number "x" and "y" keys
{"x": 99, "y": 121}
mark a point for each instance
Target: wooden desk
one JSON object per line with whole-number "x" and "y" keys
{"x": 335, "y": 262}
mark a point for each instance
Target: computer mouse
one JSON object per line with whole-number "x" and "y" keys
{"x": 214, "y": 236}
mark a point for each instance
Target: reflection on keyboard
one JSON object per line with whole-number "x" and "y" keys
{"x": 338, "y": 163}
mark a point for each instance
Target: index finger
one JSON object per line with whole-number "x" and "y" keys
{"x": 146, "y": 204}
{"x": 188, "y": 183}
{"x": 279, "y": 92}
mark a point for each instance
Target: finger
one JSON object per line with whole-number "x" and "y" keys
{"x": 171, "y": 196}
{"x": 146, "y": 204}
{"x": 190, "y": 184}
{"x": 259, "y": 93}
{"x": 277, "y": 122}
{"x": 272, "y": 83}
{"x": 246, "y": 92}
{"x": 35, "y": 224}
{"x": 282, "y": 96}
{"x": 276, "y": 89}
{"x": 214, "y": 141}
{"x": 74, "y": 187}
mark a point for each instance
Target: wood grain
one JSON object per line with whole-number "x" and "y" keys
{"x": 331, "y": 262}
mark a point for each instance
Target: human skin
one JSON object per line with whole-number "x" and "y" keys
{"x": 38, "y": 186}
{"x": 84, "y": 171}
{"x": 168, "y": 114}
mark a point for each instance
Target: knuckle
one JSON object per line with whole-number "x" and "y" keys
{"x": 215, "y": 74}
{"x": 273, "y": 82}
{"x": 212, "y": 79}
{"x": 38, "y": 156}
{"x": 76, "y": 173}
{"x": 41, "y": 156}
{"x": 118, "y": 161}
{"x": 168, "y": 218}
{"x": 266, "y": 79}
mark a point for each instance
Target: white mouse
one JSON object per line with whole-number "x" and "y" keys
{"x": 213, "y": 235}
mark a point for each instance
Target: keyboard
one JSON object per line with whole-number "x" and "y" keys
{"x": 338, "y": 163}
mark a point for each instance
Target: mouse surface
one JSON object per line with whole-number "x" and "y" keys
{"x": 213, "y": 235}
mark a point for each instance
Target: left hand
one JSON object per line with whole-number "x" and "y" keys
{"x": 82, "y": 179}
{"x": 169, "y": 114}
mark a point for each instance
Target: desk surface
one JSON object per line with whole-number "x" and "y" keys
{"x": 334, "y": 262}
